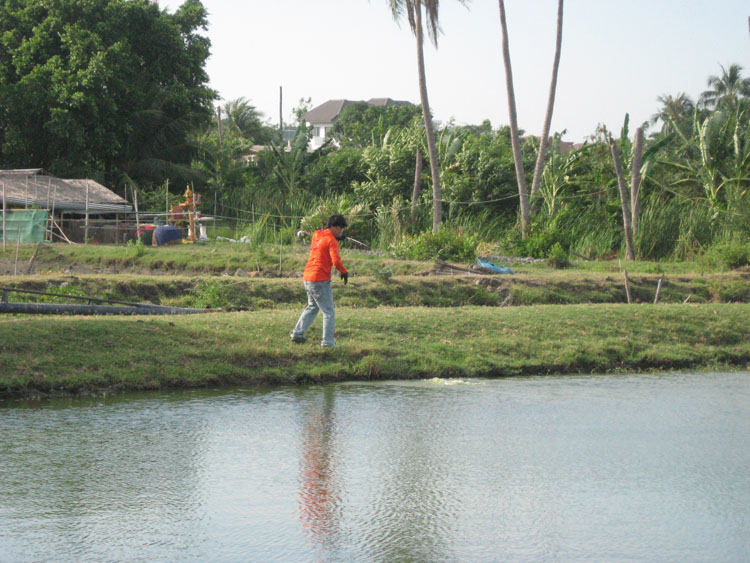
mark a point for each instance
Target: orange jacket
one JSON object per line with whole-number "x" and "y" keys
{"x": 324, "y": 253}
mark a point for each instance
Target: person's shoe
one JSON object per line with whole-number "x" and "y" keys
{"x": 299, "y": 339}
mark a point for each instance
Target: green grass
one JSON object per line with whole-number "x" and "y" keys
{"x": 366, "y": 291}
{"x": 393, "y": 321}
{"x": 97, "y": 354}
{"x": 219, "y": 257}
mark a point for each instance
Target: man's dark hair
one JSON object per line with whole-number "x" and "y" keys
{"x": 336, "y": 220}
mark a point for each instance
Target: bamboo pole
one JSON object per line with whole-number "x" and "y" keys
{"x": 658, "y": 290}
{"x": 135, "y": 203}
{"x": 33, "y": 259}
{"x": 52, "y": 214}
{"x": 196, "y": 227}
{"x": 62, "y": 234}
{"x": 18, "y": 244}
{"x": 627, "y": 288}
{"x": 86, "y": 225}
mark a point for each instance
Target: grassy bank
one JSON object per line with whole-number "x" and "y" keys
{"x": 536, "y": 287}
{"x": 99, "y": 354}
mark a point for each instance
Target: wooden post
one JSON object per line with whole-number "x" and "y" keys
{"x": 52, "y": 214}
{"x": 658, "y": 290}
{"x": 86, "y": 224}
{"x": 135, "y": 203}
{"x": 5, "y": 232}
{"x": 18, "y": 244}
{"x": 627, "y": 288}
{"x": 33, "y": 259}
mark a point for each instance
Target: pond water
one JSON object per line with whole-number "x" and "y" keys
{"x": 603, "y": 468}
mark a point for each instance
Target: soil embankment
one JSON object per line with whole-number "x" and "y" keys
{"x": 395, "y": 319}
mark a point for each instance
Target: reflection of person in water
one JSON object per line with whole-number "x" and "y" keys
{"x": 319, "y": 499}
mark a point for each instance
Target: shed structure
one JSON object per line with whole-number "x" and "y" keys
{"x": 33, "y": 188}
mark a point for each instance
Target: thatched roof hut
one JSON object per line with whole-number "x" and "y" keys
{"x": 33, "y": 187}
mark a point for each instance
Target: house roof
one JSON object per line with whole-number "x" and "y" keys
{"x": 329, "y": 111}
{"x": 32, "y": 187}
{"x": 387, "y": 102}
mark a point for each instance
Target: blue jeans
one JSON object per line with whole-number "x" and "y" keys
{"x": 319, "y": 298}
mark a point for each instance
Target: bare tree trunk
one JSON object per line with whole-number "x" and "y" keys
{"x": 550, "y": 106}
{"x": 626, "y": 217}
{"x": 417, "y": 183}
{"x": 437, "y": 209}
{"x": 635, "y": 183}
{"x": 523, "y": 195}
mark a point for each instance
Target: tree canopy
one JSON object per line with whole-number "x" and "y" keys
{"x": 361, "y": 124}
{"x": 104, "y": 87}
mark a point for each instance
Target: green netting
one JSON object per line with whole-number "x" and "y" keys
{"x": 24, "y": 225}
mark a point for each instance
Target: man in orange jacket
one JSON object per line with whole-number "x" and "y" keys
{"x": 324, "y": 254}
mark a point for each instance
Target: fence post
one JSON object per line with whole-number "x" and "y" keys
{"x": 5, "y": 232}
{"x": 86, "y": 224}
{"x": 627, "y": 288}
{"x": 18, "y": 244}
{"x": 658, "y": 290}
{"x": 52, "y": 215}
{"x": 137, "y": 220}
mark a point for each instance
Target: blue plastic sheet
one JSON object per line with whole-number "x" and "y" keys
{"x": 494, "y": 267}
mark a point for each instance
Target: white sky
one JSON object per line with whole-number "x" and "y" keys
{"x": 617, "y": 56}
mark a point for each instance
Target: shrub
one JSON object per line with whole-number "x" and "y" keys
{"x": 446, "y": 244}
{"x": 558, "y": 257}
{"x": 728, "y": 255}
{"x": 136, "y": 248}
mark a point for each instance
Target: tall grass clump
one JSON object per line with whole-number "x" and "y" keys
{"x": 698, "y": 227}
{"x": 658, "y": 229}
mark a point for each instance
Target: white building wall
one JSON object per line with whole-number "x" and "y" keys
{"x": 320, "y": 130}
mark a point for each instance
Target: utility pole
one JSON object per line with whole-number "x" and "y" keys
{"x": 281, "y": 118}
{"x": 218, "y": 114}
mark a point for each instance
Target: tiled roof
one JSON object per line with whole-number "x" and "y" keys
{"x": 329, "y": 111}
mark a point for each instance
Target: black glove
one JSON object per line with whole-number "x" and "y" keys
{"x": 345, "y": 277}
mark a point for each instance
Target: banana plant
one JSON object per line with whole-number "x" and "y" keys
{"x": 556, "y": 175}
{"x": 721, "y": 144}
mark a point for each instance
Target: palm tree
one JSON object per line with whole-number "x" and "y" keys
{"x": 413, "y": 9}
{"x": 538, "y": 169}
{"x": 243, "y": 119}
{"x": 515, "y": 138}
{"x": 675, "y": 112}
{"x": 727, "y": 89}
